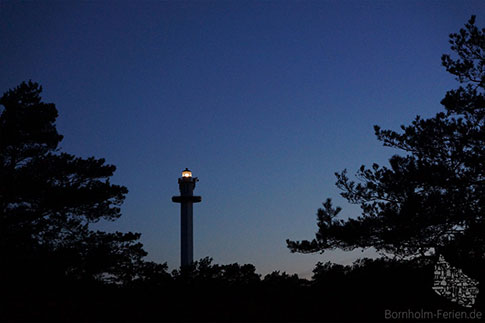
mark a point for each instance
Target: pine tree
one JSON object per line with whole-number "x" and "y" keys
{"x": 49, "y": 198}
{"x": 431, "y": 197}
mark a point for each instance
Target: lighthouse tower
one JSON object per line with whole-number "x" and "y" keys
{"x": 186, "y": 200}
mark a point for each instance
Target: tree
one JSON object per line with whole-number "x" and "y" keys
{"x": 204, "y": 272}
{"x": 283, "y": 280}
{"x": 48, "y": 199}
{"x": 433, "y": 196}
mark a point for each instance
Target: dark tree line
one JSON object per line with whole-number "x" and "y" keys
{"x": 211, "y": 292}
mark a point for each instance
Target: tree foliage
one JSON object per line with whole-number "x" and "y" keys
{"x": 433, "y": 195}
{"x": 49, "y": 198}
{"x": 204, "y": 272}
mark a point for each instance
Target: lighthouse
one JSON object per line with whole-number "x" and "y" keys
{"x": 186, "y": 200}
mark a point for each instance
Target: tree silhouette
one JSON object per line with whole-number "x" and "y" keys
{"x": 48, "y": 199}
{"x": 432, "y": 196}
{"x": 204, "y": 272}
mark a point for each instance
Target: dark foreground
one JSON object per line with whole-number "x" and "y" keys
{"x": 375, "y": 292}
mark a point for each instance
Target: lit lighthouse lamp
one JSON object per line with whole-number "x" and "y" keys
{"x": 186, "y": 173}
{"x": 186, "y": 200}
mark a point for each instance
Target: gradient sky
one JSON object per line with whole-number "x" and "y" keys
{"x": 262, "y": 100}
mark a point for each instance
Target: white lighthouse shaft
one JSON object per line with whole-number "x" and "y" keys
{"x": 187, "y": 233}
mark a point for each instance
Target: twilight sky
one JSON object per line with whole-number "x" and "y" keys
{"x": 262, "y": 100}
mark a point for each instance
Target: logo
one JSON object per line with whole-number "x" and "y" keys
{"x": 453, "y": 284}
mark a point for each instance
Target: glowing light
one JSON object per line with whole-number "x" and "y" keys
{"x": 186, "y": 173}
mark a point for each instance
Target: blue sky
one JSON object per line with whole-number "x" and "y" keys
{"x": 262, "y": 100}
